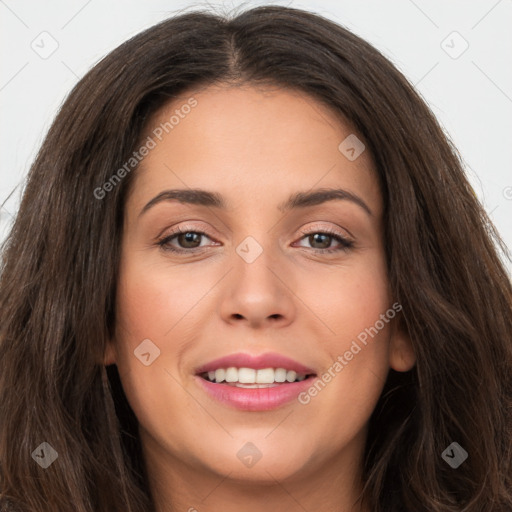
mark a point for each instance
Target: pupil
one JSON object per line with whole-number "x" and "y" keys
{"x": 194, "y": 239}
{"x": 189, "y": 238}
{"x": 315, "y": 238}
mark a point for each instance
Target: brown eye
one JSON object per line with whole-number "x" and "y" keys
{"x": 189, "y": 240}
{"x": 322, "y": 239}
{"x": 183, "y": 240}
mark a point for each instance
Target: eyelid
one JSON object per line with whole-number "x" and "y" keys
{"x": 183, "y": 229}
{"x": 180, "y": 228}
{"x": 319, "y": 228}
{"x": 346, "y": 242}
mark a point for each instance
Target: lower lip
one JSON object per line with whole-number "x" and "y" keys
{"x": 255, "y": 399}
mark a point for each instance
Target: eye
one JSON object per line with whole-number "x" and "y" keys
{"x": 324, "y": 239}
{"x": 188, "y": 240}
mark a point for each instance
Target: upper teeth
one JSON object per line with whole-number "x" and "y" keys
{"x": 252, "y": 376}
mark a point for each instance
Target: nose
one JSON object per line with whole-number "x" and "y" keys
{"x": 258, "y": 294}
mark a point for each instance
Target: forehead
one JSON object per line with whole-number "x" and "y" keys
{"x": 252, "y": 142}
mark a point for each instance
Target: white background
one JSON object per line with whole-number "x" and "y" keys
{"x": 471, "y": 95}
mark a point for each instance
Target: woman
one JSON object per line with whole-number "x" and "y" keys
{"x": 173, "y": 338}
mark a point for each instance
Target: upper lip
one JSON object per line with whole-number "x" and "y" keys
{"x": 258, "y": 362}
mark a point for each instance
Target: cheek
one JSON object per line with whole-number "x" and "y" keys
{"x": 350, "y": 308}
{"x": 153, "y": 303}
{"x": 149, "y": 303}
{"x": 348, "y": 299}
{"x": 151, "y": 300}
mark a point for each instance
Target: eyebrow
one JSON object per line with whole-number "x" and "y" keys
{"x": 297, "y": 200}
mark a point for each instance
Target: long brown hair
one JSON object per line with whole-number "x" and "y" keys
{"x": 59, "y": 273}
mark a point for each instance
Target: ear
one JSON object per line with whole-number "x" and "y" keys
{"x": 109, "y": 357}
{"x": 401, "y": 352}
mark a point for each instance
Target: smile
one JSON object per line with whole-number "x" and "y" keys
{"x": 252, "y": 378}
{"x": 254, "y": 383}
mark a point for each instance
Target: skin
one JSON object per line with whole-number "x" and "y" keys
{"x": 255, "y": 147}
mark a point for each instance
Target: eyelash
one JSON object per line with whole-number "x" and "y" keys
{"x": 345, "y": 244}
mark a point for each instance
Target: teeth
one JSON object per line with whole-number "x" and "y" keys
{"x": 231, "y": 375}
{"x": 280, "y": 375}
{"x": 291, "y": 376}
{"x": 251, "y": 376}
{"x": 247, "y": 376}
{"x": 265, "y": 376}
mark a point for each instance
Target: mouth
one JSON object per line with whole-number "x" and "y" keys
{"x": 252, "y": 383}
{"x": 251, "y": 378}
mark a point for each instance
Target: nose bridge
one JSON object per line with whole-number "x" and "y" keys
{"x": 257, "y": 290}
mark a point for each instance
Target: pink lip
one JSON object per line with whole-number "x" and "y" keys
{"x": 268, "y": 360}
{"x": 256, "y": 399}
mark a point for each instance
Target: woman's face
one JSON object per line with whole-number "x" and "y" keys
{"x": 268, "y": 267}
